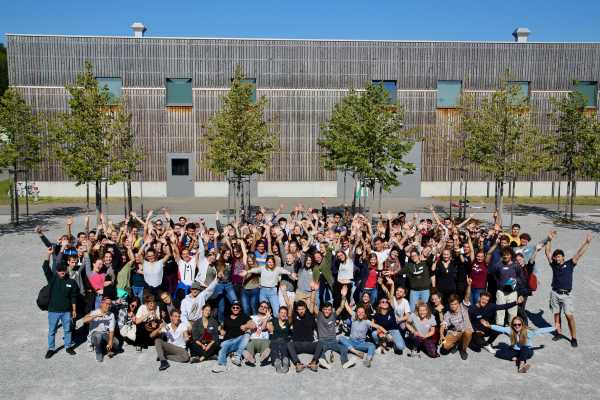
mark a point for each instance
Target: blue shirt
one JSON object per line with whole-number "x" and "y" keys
{"x": 562, "y": 275}
{"x": 530, "y": 333}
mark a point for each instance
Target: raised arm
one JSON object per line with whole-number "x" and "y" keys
{"x": 583, "y": 248}
{"x": 548, "y": 248}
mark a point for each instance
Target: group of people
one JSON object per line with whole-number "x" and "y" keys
{"x": 260, "y": 291}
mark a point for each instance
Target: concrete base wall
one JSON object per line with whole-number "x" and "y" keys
{"x": 431, "y": 189}
{"x": 297, "y": 189}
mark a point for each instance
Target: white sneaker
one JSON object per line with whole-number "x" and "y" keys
{"x": 349, "y": 364}
{"x": 323, "y": 363}
{"x": 489, "y": 349}
{"x": 219, "y": 368}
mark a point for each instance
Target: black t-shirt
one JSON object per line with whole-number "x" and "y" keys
{"x": 304, "y": 328}
{"x": 232, "y": 326}
{"x": 445, "y": 279}
{"x": 562, "y": 275}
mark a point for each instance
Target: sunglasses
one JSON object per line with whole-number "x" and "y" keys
{"x": 516, "y": 324}
{"x": 235, "y": 307}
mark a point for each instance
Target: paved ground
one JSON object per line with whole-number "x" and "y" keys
{"x": 558, "y": 371}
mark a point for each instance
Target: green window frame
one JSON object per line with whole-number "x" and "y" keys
{"x": 523, "y": 91}
{"x": 448, "y": 93}
{"x": 589, "y": 90}
{"x": 179, "y": 91}
{"x": 390, "y": 87}
{"x": 251, "y": 81}
{"x": 114, "y": 86}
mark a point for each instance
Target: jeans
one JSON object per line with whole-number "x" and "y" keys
{"x": 99, "y": 339}
{"x": 270, "y": 295}
{"x": 250, "y": 301}
{"x": 416, "y": 295}
{"x": 396, "y": 337}
{"x": 222, "y": 290}
{"x": 138, "y": 291}
{"x": 53, "y": 318}
{"x": 358, "y": 344}
{"x": 295, "y": 348}
{"x": 475, "y": 293}
{"x": 237, "y": 345}
{"x": 332, "y": 344}
{"x": 325, "y": 293}
{"x": 373, "y": 294}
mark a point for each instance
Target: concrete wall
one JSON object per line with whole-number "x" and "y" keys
{"x": 297, "y": 189}
{"x": 431, "y": 189}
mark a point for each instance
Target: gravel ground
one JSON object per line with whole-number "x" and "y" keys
{"x": 558, "y": 371}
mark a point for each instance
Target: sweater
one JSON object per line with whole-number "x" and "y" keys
{"x": 63, "y": 292}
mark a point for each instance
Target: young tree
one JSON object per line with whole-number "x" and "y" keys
{"x": 501, "y": 138}
{"x": 239, "y": 139}
{"x": 365, "y": 137}
{"x": 20, "y": 141}
{"x": 87, "y": 138}
{"x": 575, "y": 148}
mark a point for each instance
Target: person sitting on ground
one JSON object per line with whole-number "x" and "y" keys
{"x": 390, "y": 333}
{"x": 520, "y": 341}
{"x": 191, "y": 306}
{"x": 422, "y": 330}
{"x": 259, "y": 338}
{"x": 171, "y": 341}
{"x": 102, "y": 330}
{"x": 303, "y": 337}
{"x": 456, "y": 329}
{"x": 281, "y": 333}
{"x": 236, "y": 334}
{"x": 205, "y": 336}
{"x": 147, "y": 320}
{"x": 357, "y": 342}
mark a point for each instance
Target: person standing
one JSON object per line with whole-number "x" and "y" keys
{"x": 419, "y": 279}
{"x": 62, "y": 305}
{"x": 562, "y": 284}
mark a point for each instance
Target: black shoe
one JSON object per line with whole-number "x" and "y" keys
{"x": 49, "y": 354}
{"x": 463, "y": 354}
{"x": 71, "y": 351}
{"x": 574, "y": 342}
{"x": 398, "y": 352}
{"x": 454, "y": 349}
{"x": 164, "y": 364}
{"x": 557, "y": 337}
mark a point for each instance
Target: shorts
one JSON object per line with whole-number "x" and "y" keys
{"x": 257, "y": 345}
{"x": 561, "y": 301}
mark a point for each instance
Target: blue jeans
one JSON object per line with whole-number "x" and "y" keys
{"x": 475, "y": 293}
{"x": 333, "y": 345}
{"x": 270, "y": 294}
{"x": 416, "y": 295}
{"x": 237, "y": 345}
{"x": 372, "y": 294}
{"x": 358, "y": 344}
{"x": 138, "y": 291}
{"x": 396, "y": 336}
{"x": 250, "y": 301}
{"x": 182, "y": 286}
{"x": 53, "y": 318}
{"x": 221, "y": 290}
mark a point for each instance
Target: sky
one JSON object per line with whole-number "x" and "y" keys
{"x": 549, "y": 20}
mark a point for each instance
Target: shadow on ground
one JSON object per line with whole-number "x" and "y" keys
{"x": 557, "y": 218}
{"x": 27, "y": 224}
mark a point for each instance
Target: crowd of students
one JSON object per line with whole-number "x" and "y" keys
{"x": 262, "y": 290}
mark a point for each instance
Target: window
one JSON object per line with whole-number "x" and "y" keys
{"x": 179, "y": 92}
{"x": 391, "y": 88}
{"x": 180, "y": 167}
{"x": 448, "y": 94}
{"x": 114, "y": 86}
{"x": 523, "y": 91}
{"x": 589, "y": 90}
{"x": 251, "y": 81}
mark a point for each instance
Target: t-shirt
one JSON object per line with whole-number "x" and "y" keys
{"x": 153, "y": 273}
{"x": 232, "y": 326}
{"x": 418, "y": 275}
{"x": 260, "y": 332}
{"x": 502, "y": 272}
{"x": 479, "y": 272}
{"x": 305, "y": 278}
{"x": 562, "y": 275}
{"x": 422, "y": 325}
{"x": 387, "y": 321}
{"x": 187, "y": 271}
{"x": 326, "y": 327}
{"x": 359, "y": 329}
{"x": 175, "y": 335}
{"x": 445, "y": 277}
{"x": 371, "y": 282}
{"x": 401, "y": 307}
{"x": 304, "y": 328}
{"x": 346, "y": 271}
{"x": 261, "y": 258}
{"x": 102, "y": 323}
{"x": 146, "y": 315}
{"x": 381, "y": 257}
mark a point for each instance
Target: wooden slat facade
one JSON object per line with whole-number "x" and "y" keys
{"x": 302, "y": 79}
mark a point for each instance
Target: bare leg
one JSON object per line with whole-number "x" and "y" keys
{"x": 557, "y": 324}
{"x": 572, "y": 328}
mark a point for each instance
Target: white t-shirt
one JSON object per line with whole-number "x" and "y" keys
{"x": 153, "y": 273}
{"x": 381, "y": 257}
{"x": 146, "y": 315}
{"x": 401, "y": 307}
{"x": 187, "y": 271}
{"x": 346, "y": 271}
{"x": 259, "y": 333}
{"x": 176, "y": 335}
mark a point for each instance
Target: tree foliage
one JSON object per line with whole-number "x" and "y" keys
{"x": 365, "y": 137}
{"x": 500, "y": 137}
{"x": 239, "y": 139}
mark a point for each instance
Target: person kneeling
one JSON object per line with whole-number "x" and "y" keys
{"x": 102, "y": 330}
{"x": 170, "y": 341}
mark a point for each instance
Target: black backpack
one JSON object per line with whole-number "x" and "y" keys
{"x": 43, "y": 298}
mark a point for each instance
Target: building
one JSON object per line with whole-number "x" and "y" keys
{"x": 173, "y": 85}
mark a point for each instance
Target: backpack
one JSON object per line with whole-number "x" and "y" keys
{"x": 533, "y": 282}
{"x": 43, "y": 298}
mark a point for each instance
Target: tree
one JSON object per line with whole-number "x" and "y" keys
{"x": 575, "y": 148}
{"x": 20, "y": 141}
{"x": 365, "y": 137}
{"x": 239, "y": 139}
{"x": 87, "y": 139}
{"x": 3, "y": 70}
{"x": 500, "y": 137}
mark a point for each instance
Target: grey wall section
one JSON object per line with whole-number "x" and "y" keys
{"x": 302, "y": 79}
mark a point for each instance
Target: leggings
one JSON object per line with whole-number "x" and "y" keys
{"x": 427, "y": 345}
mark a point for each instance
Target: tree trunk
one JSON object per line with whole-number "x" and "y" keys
{"x": 573, "y": 196}
{"x": 129, "y": 199}
{"x": 87, "y": 197}
{"x": 27, "y": 194}
{"x": 568, "y": 196}
{"x": 354, "y": 187}
{"x": 500, "y": 199}
{"x": 11, "y": 194}
{"x": 16, "y": 189}
{"x": 512, "y": 201}
{"x": 558, "y": 197}
{"x": 98, "y": 201}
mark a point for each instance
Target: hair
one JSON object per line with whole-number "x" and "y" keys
{"x": 300, "y": 303}
{"x": 506, "y": 252}
{"x": 175, "y": 311}
{"x": 504, "y": 237}
{"x": 206, "y": 305}
{"x": 558, "y": 252}
{"x": 522, "y": 338}
{"x": 525, "y": 236}
{"x": 516, "y": 226}
{"x": 486, "y": 294}
{"x": 149, "y": 298}
{"x": 72, "y": 257}
{"x": 190, "y": 225}
{"x": 283, "y": 308}
{"x": 452, "y": 298}
{"x": 326, "y": 305}
{"x": 420, "y": 304}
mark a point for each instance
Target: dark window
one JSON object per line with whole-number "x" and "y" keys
{"x": 179, "y": 92}
{"x": 180, "y": 167}
{"x": 589, "y": 90}
{"x": 391, "y": 88}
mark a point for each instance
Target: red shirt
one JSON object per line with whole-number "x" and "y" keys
{"x": 478, "y": 274}
{"x": 371, "y": 282}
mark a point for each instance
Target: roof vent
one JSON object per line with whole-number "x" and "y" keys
{"x": 521, "y": 35}
{"x": 138, "y": 29}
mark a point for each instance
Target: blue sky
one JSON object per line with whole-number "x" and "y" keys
{"x": 548, "y": 20}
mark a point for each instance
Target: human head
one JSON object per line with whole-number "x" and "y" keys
{"x": 400, "y": 292}
{"x": 236, "y": 308}
{"x": 283, "y": 313}
{"x": 515, "y": 229}
{"x": 263, "y": 307}
{"x": 525, "y": 239}
{"x": 206, "y": 310}
{"x": 506, "y": 255}
{"x": 165, "y": 297}
{"x": 361, "y": 314}
{"x": 150, "y": 302}
{"x": 558, "y": 256}
{"x": 270, "y": 262}
{"x": 454, "y": 302}
{"x": 327, "y": 309}
{"x": 484, "y": 299}
{"x": 301, "y": 308}
{"x": 105, "y": 304}
{"x": 175, "y": 316}
{"x": 422, "y": 310}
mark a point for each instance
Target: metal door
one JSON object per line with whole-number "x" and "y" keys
{"x": 180, "y": 175}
